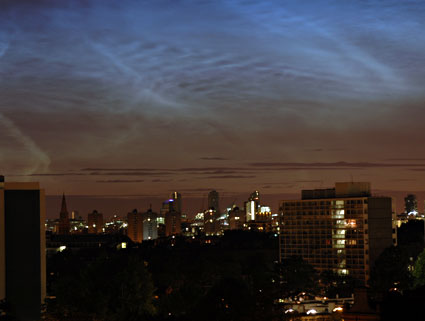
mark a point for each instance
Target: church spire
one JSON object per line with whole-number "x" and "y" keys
{"x": 63, "y": 207}
{"x": 64, "y": 225}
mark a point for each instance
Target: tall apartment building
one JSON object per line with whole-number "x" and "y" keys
{"x": 150, "y": 228}
{"x": 22, "y": 248}
{"x": 95, "y": 222}
{"x": 211, "y": 226}
{"x": 213, "y": 201}
{"x": 172, "y": 223}
{"x": 175, "y": 202}
{"x": 252, "y": 206}
{"x": 343, "y": 229}
{"x": 135, "y": 226}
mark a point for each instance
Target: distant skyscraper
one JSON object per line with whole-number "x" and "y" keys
{"x": 176, "y": 203}
{"x": 150, "y": 228}
{"x": 411, "y": 204}
{"x": 252, "y": 206}
{"x": 135, "y": 226}
{"x": 213, "y": 201}
{"x": 22, "y": 249}
{"x": 64, "y": 224}
{"x": 95, "y": 222}
{"x": 172, "y": 223}
{"x": 210, "y": 222}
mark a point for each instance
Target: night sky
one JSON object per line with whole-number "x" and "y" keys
{"x": 147, "y": 97}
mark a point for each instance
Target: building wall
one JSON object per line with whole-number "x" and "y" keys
{"x": 172, "y": 223}
{"x": 43, "y": 262}
{"x": 135, "y": 226}
{"x": 150, "y": 229}
{"x": 24, "y": 210}
{"x": 2, "y": 246}
{"x": 95, "y": 222}
{"x": 236, "y": 219}
{"x": 328, "y": 234}
{"x": 210, "y": 222}
{"x": 380, "y": 226}
{"x": 213, "y": 201}
{"x": 344, "y": 235}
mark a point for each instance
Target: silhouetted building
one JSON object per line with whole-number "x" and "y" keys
{"x": 411, "y": 205}
{"x": 211, "y": 225}
{"x": 135, "y": 226}
{"x": 64, "y": 224}
{"x": 95, "y": 222}
{"x": 150, "y": 228}
{"x": 360, "y": 310}
{"x": 213, "y": 201}
{"x": 172, "y": 223}
{"x": 236, "y": 218}
{"x": 345, "y": 233}
{"x": 22, "y": 249}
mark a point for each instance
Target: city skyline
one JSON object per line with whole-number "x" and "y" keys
{"x": 146, "y": 98}
{"x": 120, "y": 205}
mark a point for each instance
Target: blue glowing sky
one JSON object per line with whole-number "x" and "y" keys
{"x": 145, "y": 97}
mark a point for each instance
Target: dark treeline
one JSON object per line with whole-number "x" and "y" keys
{"x": 234, "y": 277}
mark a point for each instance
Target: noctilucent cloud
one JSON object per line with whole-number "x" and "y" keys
{"x": 144, "y": 97}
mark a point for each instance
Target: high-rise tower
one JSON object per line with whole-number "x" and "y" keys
{"x": 343, "y": 229}
{"x": 176, "y": 202}
{"x": 22, "y": 248}
{"x": 213, "y": 201}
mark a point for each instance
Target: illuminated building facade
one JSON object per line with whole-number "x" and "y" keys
{"x": 150, "y": 228}
{"x": 250, "y": 210}
{"x": 116, "y": 225}
{"x": 22, "y": 249}
{"x": 210, "y": 222}
{"x": 95, "y": 222}
{"x": 78, "y": 225}
{"x": 343, "y": 229}
{"x": 197, "y": 225}
{"x": 64, "y": 224}
{"x": 252, "y": 206}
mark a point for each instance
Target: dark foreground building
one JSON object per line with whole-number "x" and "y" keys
{"x": 22, "y": 249}
{"x": 342, "y": 229}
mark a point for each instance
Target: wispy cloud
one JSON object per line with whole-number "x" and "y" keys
{"x": 335, "y": 165}
{"x": 121, "y": 181}
{"x": 213, "y": 158}
{"x": 230, "y": 176}
{"x": 39, "y": 160}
